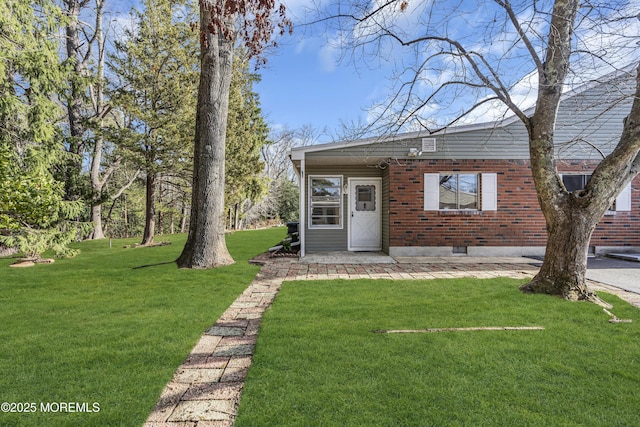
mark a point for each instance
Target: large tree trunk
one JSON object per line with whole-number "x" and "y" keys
{"x": 150, "y": 210}
{"x": 206, "y": 246}
{"x": 564, "y": 269}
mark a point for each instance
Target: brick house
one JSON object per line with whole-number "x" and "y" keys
{"x": 465, "y": 190}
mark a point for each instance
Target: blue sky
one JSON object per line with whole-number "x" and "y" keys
{"x": 303, "y": 84}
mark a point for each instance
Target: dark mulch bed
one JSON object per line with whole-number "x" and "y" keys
{"x": 263, "y": 258}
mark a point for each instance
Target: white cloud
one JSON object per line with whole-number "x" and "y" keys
{"x": 328, "y": 57}
{"x": 300, "y": 45}
{"x": 330, "y": 53}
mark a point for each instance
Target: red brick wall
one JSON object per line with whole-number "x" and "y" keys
{"x": 517, "y": 222}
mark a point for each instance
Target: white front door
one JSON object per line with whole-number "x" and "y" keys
{"x": 365, "y": 214}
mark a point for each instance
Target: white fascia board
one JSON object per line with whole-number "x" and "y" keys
{"x": 296, "y": 155}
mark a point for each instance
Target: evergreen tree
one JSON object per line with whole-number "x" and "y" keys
{"x": 247, "y": 133}
{"x": 33, "y": 214}
{"x": 157, "y": 67}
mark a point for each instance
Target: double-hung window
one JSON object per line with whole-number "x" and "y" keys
{"x": 458, "y": 191}
{"x": 325, "y": 201}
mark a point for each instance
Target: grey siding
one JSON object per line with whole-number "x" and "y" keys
{"x": 477, "y": 144}
{"x": 329, "y": 239}
{"x": 593, "y": 118}
{"x": 589, "y": 124}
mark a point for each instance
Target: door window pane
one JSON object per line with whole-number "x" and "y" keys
{"x": 448, "y": 191}
{"x": 365, "y": 198}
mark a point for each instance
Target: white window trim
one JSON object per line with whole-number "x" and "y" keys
{"x": 310, "y": 207}
{"x": 487, "y": 197}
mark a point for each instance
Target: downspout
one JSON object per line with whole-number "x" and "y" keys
{"x": 301, "y": 221}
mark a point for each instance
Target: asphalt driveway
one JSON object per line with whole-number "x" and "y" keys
{"x": 615, "y": 272}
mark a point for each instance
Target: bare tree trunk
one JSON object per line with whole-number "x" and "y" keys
{"x": 183, "y": 217}
{"x": 206, "y": 246}
{"x": 75, "y": 105}
{"x": 98, "y": 182}
{"x": 236, "y": 219}
{"x": 96, "y": 219}
{"x": 73, "y": 167}
{"x": 150, "y": 210}
{"x": 563, "y": 271}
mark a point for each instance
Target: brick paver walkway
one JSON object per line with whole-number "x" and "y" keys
{"x": 206, "y": 388}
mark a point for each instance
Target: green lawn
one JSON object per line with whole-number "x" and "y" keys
{"x": 98, "y": 328}
{"x": 317, "y": 363}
